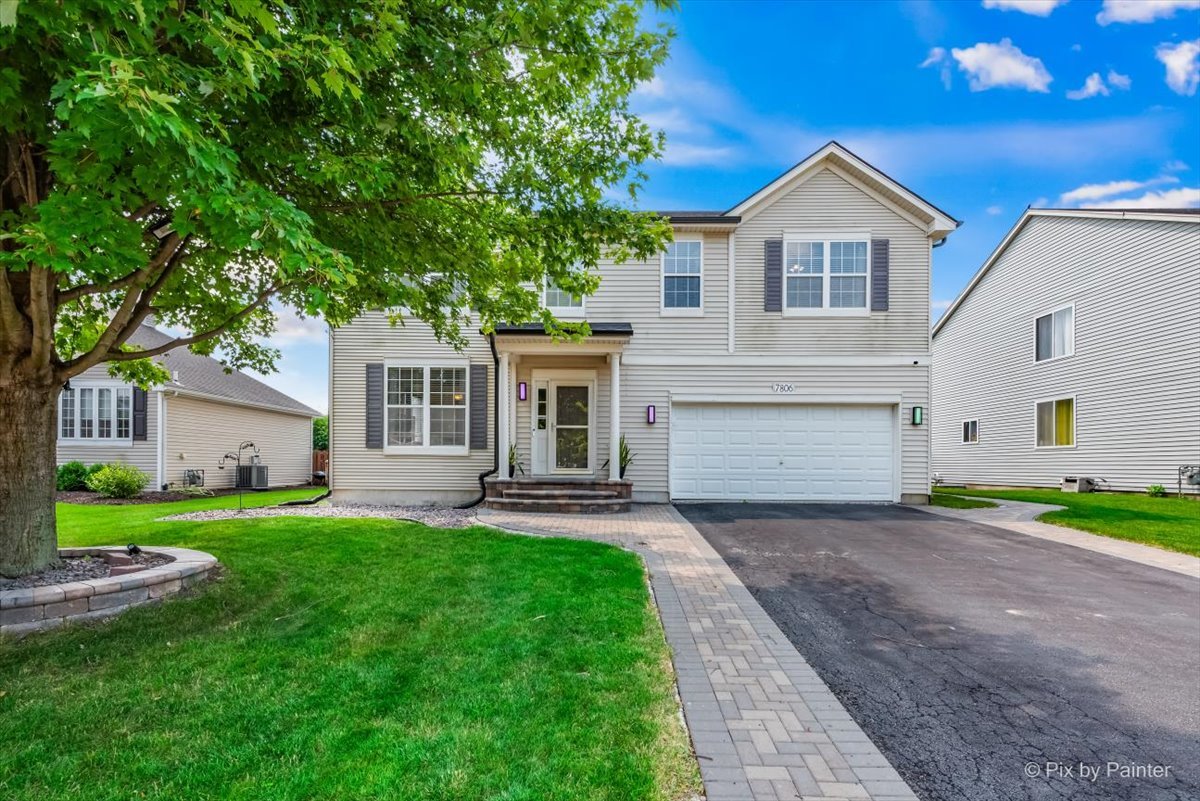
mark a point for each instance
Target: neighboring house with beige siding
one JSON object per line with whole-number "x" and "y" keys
{"x": 1074, "y": 351}
{"x": 775, "y": 351}
{"x": 187, "y": 424}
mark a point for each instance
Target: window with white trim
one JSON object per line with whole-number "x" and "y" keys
{"x": 683, "y": 277}
{"x": 560, "y": 302}
{"x": 1054, "y": 334}
{"x": 425, "y": 407}
{"x": 96, "y": 413}
{"x": 970, "y": 432}
{"x": 1056, "y": 423}
{"x": 825, "y": 274}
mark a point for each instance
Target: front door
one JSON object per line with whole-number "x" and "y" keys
{"x": 570, "y": 439}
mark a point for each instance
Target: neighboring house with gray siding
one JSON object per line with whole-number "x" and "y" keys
{"x": 775, "y": 351}
{"x": 189, "y": 423}
{"x": 1074, "y": 351}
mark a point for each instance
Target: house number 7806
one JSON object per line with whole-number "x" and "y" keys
{"x": 783, "y": 387}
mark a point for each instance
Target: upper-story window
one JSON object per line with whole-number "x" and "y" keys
{"x": 826, "y": 275}
{"x": 560, "y": 302}
{"x": 425, "y": 408}
{"x": 1055, "y": 334}
{"x": 96, "y": 413}
{"x": 683, "y": 278}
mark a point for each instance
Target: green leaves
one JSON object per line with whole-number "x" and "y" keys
{"x": 337, "y": 153}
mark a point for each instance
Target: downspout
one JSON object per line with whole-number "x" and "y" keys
{"x": 495, "y": 427}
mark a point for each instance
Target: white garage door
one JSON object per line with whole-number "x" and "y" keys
{"x": 782, "y": 452}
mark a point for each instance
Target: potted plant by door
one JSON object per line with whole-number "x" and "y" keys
{"x": 514, "y": 463}
{"x": 626, "y": 458}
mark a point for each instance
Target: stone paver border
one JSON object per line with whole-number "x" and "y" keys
{"x": 1021, "y": 517}
{"x": 764, "y": 725}
{"x": 40, "y": 608}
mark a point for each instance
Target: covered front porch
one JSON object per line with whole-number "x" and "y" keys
{"x": 559, "y": 407}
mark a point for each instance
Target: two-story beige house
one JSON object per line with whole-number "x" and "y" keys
{"x": 779, "y": 350}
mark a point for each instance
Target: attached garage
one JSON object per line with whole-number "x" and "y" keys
{"x": 783, "y": 452}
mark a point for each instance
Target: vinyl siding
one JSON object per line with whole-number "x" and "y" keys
{"x": 826, "y": 203}
{"x": 200, "y": 432}
{"x": 366, "y": 474}
{"x": 1135, "y": 373}
{"x": 141, "y": 454}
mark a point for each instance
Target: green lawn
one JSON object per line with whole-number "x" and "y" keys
{"x": 351, "y": 659}
{"x": 1171, "y": 523}
{"x": 955, "y": 502}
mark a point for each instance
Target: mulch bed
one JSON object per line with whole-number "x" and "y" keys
{"x": 75, "y": 568}
{"x": 84, "y": 497}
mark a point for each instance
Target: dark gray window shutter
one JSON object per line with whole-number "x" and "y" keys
{"x": 139, "y": 414}
{"x": 375, "y": 405}
{"x": 773, "y": 275}
{"x": 479, "y": 407}
{"x": 879, "y": 274}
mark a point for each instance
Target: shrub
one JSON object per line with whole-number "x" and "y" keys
{"x": 1156, "y": 491}
{"x": 72, "y": 476}
{"x": 118, "y": 480}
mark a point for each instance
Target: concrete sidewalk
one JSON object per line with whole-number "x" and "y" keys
{"x": 763, "y": 724}
{"x": 1020, "y": 516}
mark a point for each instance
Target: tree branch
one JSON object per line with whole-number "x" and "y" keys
{"x": 402, "y": 201}
{"x": 133, "y": 355}
{"x": 41, "y": 313}
{"x": 10, "y": 316}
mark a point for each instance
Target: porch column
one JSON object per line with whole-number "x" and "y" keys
{"x": 614, "y": 416}
{"x": 504, "y": 392}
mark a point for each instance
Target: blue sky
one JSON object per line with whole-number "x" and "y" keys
{"x": 984, "y": 107}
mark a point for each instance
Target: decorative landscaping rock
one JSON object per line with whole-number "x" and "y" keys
{"x": 31, "y": 609}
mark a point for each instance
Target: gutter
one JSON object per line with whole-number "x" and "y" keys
{"x": 495, "y": 428}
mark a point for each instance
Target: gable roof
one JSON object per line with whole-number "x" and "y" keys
{"x": 1159, "y": 215}
{"x": 938, "y": 223}
{"x": 205, "y": 377}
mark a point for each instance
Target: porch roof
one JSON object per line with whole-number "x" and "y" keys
{"x": 537, "y": 329}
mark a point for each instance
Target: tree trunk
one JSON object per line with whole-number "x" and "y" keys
{"x": 28, "y": 540}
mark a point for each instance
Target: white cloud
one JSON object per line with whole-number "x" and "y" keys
{"x": 681, "y": 154}
{"x": 1118, "y": 81}
{"x": 291, "y": 327}
{"x": 1142, "y": 10}
{"x": 940, "y": 305}
{"x": 995, "y": 210}
{"x": 1094, "y": 85}
{"x": 1183, "y": 65}
{"x": 1038, "y": 8}
{"x": 1090, "y": 192}
{"x": 655, "y": 87}
{"x": 1002, "y": 65}
{"x": 937, "y": 58}
{"x": 1175, "y": 166}
{"x": 1183, "y": 197}
{"x": 1077, "y": 47}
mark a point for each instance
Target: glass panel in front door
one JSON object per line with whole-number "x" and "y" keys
{"x": 571, "y": 427}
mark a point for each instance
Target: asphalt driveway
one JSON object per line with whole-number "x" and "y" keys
{"x": 985, "y": 664}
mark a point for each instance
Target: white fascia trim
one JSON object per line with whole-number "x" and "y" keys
{"x": 940, "y": 221}
{"x": 160, "y": 456}
{"x": 191, "y": 393}
{"x": 779, "y": 360}
{"x": 807, "y": 398}
{"x": 329, "y": 416}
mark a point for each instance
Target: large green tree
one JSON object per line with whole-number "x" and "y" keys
{"x": 195, "y": 162}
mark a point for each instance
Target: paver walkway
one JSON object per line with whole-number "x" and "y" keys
{"x": 763, "y": 724}
{"x": 1020, "y": 516}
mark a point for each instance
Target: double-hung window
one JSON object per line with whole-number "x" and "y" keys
{"x": 970, "y": 432}
{"x": 96, "y": 414}
{"x": 1055, "y": 421}
{"x": 826, "y": 275}
{"x": 682, "y": 278}
{"x": 560, "y": 302}
{"x": 1055, "y": 334}
{"x": 425, "y": 408}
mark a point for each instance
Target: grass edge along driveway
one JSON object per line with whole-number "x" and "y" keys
{"x": 1169, "y": 523}
{"x": 352, "y": 659}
